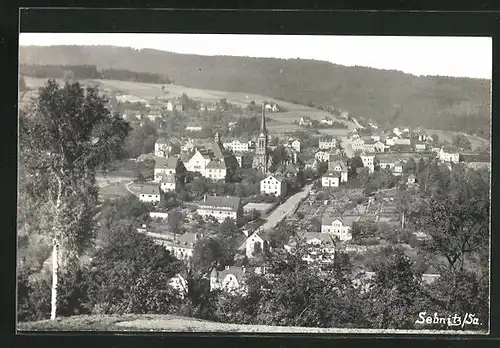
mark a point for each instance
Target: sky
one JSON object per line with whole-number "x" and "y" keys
{"x": 417, "y": 55}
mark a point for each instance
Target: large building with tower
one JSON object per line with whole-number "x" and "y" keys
{"x": 261, "y": 158}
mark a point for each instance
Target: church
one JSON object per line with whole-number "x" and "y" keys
{"x": 261, "y": 158}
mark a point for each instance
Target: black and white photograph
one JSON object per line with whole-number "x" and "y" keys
{"x": 237, "y": 183}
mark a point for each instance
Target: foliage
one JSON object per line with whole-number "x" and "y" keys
{"x": 461, "y": 142}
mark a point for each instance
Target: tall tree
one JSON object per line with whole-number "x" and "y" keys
{"x": 67, "y": 135}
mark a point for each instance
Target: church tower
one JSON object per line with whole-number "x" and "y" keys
{"x": 261, "y": 157}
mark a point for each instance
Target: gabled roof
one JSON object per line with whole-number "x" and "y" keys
{"x": 148, "y": 189}
{"x": 370, "y": 141}
{"x": 221, "y": 202}
{"x": 216, "y": 164}
{"x": 163, "y": 141}
{"x": 207, "y": 154}
{"x": 388, "y": 158}
{"x": 402, "y": 142}
{"x": 270, "y": 177}
{"x": 346, "y": 220}
{"x": 331, "y": 175}
{"x": 325, "y": 238}
{"x": 188, "y": 239}
{"x": 238, "y": 272}
{"x": 342, "y": 165}
{"x": 169, "y": 162}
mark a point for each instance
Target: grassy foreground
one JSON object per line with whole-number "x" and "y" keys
{"x": 171, "y": 323}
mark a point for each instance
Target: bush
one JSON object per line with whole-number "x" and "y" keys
{"x": 33, "y": 297}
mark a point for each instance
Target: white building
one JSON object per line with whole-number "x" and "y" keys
{"x": 220, "y": 207}
{"x": 168, "y": 183}
{"x": 165, "y": 167}
{"x": 305, "y": 121}
{"x": 296, "y": 144}
{"x": 199, "y": 161}
{"x": 163, "y": 147}
{"x": 327, "y": 121}
{"x": 327, "y": 143}
{"x": 398, "y": 168}
{"x": 397, "y": 131}
{"x": 255, "y": 244}
{"x": 368, "y": 161}
{"x": 379, "y": 146}
{"x": 339, "y": 167}
{"x": 237, "y": 146}
{"x": 149, "y": 193}
{"x": 322, "y": 156}
{"x": 231, "y": 279}
{"x": 449, "y": 154}
{"x": 193, "y": 128}
{"x": 216, "y": 170}
{"x": 338, "y": 227}
{"x": 420, "y": 146}
{"x": 330, "y": 180}
{"x": 358, "y": 144}
{"x": 273, "y": 186}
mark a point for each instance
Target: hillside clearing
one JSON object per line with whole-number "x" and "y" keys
{"x": 172, "y": 323}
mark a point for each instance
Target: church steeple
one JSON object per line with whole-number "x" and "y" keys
{"x": 263, "y": 129}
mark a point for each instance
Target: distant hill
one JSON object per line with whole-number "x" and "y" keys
{"x": 386, "y": 96}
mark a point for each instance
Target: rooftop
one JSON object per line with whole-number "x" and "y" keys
{"x": 346, "y": 220}
{"x": 148, "y": 189}
{"x": 169, "y": 162}
{"x": 221, "y": 202}
{"x": 216, "y": 164}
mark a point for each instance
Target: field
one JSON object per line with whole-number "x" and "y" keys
{"x": 448, "y": 136}
{"x": 281, "y": 121}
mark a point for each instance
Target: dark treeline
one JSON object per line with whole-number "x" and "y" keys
{"x": 91, "y": 72}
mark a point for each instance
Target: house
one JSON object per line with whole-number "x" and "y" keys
{"x": 344, "y": 115}
{"x": 237, "y": 145}
{"x": 193, "y": 128}
{"x": 340, "y": 167}
{"x": 378, "y": 146}
{"x": 358, "y": 145}
{"x": 387, "y": 161}
{"x": 339, "y": 227}
{"x": 404, "y": 142}
{"x": 331, "y": 179}
{"x": 322, "y": 156}
{"x": 411, "y": 180}
{"x": 231, "y": 279}
{"x": 419, "y": 147}
{"x": 449, "y": 154}
{"x": 327, "y": 121}
{"x": 274, "y": 186}
{"x": 305, "y": 121}
{"x": 288, "y": 170}
{"x": 220, "y": 207}
{"x": 174, "y": 105}
{"x": 296, "y": 144}
{"x": 327, "y": 143}
{"x": 368, "y": 161}
{"x": 216, "y": 170}
{"x": 256, "y": 243}
{"x": 311, "y": 164}
{"x": 369, "y": 146}
{"x": 183, "y": 246}
{"x": 475, "y": 161}
{"x": 168, "y": 183}
{"x": 163, "y": 147}
{"x": 166, "y": 166}
{"x": 149, "y": 193}
{"x": 397, "y": 131}
{"x": 272, "y": 107}
{"x": 320, "y": 247}
{"x": 398, "y": 168}
{"x": 199, "y": 161}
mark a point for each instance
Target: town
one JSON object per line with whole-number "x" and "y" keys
{"x": 161, "y": 199}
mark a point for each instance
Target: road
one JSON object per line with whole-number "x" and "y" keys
{"x": 285, "y": 209}
{"x": 357, "y": 123}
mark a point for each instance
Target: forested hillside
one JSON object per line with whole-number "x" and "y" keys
{"x": 392, "y": 97}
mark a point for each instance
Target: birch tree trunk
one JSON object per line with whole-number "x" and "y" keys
{"x": 55, "y": 262}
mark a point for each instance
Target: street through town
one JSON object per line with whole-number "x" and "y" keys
{"x": 286, "y": 208}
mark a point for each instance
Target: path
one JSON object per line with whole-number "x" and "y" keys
{"x": 285, "y": 209}
{"x": 357, "y": 123}
{"x": 128, "y": 189}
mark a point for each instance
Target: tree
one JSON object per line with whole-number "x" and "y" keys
{"x": 355, "y": 162}
{"x": 174, "y": 221}
{"x": 65, "y": 138}
{"x": 395, "y": 294}
{"x": 461, "y": 141}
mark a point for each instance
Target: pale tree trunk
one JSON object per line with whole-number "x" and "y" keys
{"x": 55, "y": 262}
{"x": 55, "y": 252}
